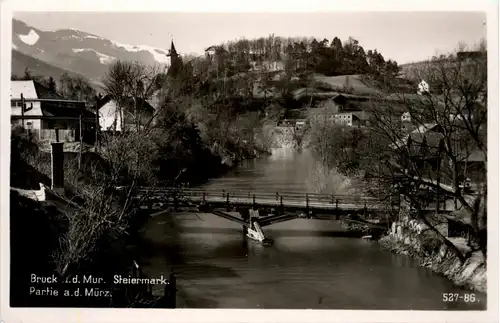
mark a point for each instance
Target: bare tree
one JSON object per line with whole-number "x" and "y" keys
{"x": 76, "y": 88}
{"x": 131, "y": 84}
{"x": 434, "y": 161}
{"x": 108, "y": 201}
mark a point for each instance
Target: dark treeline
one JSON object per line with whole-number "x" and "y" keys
{"x": 301, "y": 55}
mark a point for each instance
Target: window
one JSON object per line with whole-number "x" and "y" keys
{"x": 30, "y": 106}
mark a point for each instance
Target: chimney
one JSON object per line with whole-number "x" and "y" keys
{"x": 57, "y": 163}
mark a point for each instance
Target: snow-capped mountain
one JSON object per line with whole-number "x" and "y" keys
{"x": 79, "y": 51}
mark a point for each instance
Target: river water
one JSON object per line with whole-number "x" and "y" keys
{"x": 311, "y": 264}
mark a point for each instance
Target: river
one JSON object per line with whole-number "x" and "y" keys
{"x": 310, "y": 266}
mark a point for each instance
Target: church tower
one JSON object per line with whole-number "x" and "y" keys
{"x": 172, "y": 53}
{"x": 175, "y": 61}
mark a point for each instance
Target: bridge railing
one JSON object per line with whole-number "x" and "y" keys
{"x": 279, "y": 198}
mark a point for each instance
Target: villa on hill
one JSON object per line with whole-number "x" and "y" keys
{"x": 46, "y": 116}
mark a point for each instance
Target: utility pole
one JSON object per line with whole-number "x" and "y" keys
{"x": 441, "y": 146}
{"x": 22, "y": 110}
{"x": 96, "y": 140}
{"x": 81, "y": 142}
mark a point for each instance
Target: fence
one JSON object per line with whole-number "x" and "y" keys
{"x": 289, "y": 199}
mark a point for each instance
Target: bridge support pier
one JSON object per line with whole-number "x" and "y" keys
{"x": 253, "y": 214}
{"x": 253, "y": 224}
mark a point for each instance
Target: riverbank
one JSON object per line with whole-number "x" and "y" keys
{"x": 410, "y": 238}
{"x": 218, "y": 267}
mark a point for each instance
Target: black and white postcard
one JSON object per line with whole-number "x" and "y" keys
{"x": 266, "y": 161}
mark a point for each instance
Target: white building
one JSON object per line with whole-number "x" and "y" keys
{"x": 46, "y": 116}
{"x": 406, "y": 117}
{"x": 32, "y": 108}
{"x": 423, "y": 87}
{"x": 110, "y": 114}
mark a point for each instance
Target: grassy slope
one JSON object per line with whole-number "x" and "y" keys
{"x": 338, "y": 83}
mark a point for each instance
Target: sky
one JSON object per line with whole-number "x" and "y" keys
{"x": 402, "y": 36}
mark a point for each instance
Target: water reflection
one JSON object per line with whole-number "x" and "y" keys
{"x": 305, "y": 268}
{"x": 310, "y": 264}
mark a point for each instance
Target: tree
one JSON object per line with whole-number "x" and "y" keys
{"x": 51, "y": 85}
{"x": 76, "y": 88}
{"x": 435, "y": 159}
{"x": 338, "y": 146}
{"x": 135, "y": 83}
{"x": 432, "y": 163}
{"x": 27, "y": 74}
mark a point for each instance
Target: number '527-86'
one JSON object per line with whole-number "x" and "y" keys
{"x": 456, "y": 297}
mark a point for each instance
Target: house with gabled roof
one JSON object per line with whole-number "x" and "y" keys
{"x": 111, "y": 113}
{"x": 341, "y": 108}
{"x": 47, "y": 116}
{"x": 423, "y": 146}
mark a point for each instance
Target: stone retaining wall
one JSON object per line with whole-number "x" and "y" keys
{"x": 412, "y": 238}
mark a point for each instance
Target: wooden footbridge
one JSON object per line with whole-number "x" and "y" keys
{"x": 265, "y": 208}
{"x": 155, "y": 198}
{"x": 255, "y": 210}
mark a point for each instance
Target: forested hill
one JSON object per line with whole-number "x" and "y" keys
{"x": 300, "y": 55}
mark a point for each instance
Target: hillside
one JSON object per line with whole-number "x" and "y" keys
{"x": 353, "y": 83}
{"x": 37, "y": 67}
{"x": 22, "y": 61}
{"x": 80, "y": 52}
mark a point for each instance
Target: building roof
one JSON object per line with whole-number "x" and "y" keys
{"x": 328, "y": 110}
{"x": 361, "y": 115}
{"x": 31, "y": 90}
{"x": 213, "y": 47}
{"x": 143, "y": 103}
{"x": 51, "y": 103}
{"x": 429, "y": 135}
{"x": 45, "y": 93}
{"x": 65, "y": 109}
{"x": 352, "y": 97}
{"x": 416, "y": 134}
{"x": 26, "y": 88}
{"x": 476, "y": 156}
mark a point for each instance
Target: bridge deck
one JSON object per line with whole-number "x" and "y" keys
{"x": 289, "y": 203}
{"x": 264, "y": 199}
{"x": 290, "y": 200}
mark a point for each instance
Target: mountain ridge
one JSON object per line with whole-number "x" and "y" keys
{"x": 20, "y": 62}
{"x": 79, "y": 51}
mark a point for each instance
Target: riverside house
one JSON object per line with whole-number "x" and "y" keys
{"x": 424, "y": 144}
{"x": 42, "y": 113}
{"x": 343, "y": 109}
